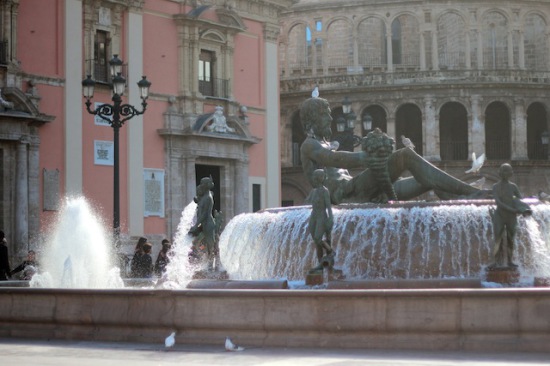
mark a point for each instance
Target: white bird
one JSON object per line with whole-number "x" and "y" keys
{"x": 170, "y": 340}
{"x": 407, "y": 142}
{"x": 230, "y": 346}
{"x": 315, "y": 92}
{"x": 478, "y": 183}
{"x": 477, "y": 163}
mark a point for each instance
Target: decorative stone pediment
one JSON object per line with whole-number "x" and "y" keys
{"x": 230, "y": 18}
{"x": 15, "y": 103}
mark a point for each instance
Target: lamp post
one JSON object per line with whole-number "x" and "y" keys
{"x": 345, "y": 126}
{"x": 116, "y": 114}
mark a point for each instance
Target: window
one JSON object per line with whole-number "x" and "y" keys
{"x": 206, "y": 84}
{"x": 256, "y": 197}
{"x": 101, "y": 56}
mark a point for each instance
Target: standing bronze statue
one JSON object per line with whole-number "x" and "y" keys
{"x": 321, "y": 219}
{"x": 509, "y": 205}
{"x": 206, "y": 230}
{"x": 380, "y": 180}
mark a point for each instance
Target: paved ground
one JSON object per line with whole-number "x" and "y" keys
{"x": 22, "y": 352}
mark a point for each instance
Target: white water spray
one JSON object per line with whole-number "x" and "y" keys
{"x": 78, "y": 254}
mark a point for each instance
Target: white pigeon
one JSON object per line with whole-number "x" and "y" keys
{"x": 170, "y": 340}
{"x": 477, "y": 163}
{"x": 230, "y": 346}
{"x": 407, "y": 142}
{"x": 478, "y": 183}
{"x": 315, "y": 92}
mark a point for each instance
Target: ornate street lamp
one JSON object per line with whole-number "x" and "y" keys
{"x": 116, "y": 114}
{"x": 367, "y": 123}
{"x": 345, "y": 125}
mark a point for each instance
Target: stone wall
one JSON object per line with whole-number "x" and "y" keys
{"x": 444, "y": 319}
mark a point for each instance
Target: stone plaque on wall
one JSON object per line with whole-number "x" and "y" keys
{"x": 51, "y": 190}
{"x": 153, "y": 192}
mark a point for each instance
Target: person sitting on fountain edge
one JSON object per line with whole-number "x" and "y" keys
{"x": 28, "y": 266}
{"x": 383, "y": 167}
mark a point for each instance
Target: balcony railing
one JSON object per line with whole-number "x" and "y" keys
{"x": 498, "y": 149}
{"x": 214, "y": 87}
{"x": 536, "y": 150}
{"x": 454, "y": 150}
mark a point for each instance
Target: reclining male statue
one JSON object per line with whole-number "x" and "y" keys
{"x": 381, "y": 180}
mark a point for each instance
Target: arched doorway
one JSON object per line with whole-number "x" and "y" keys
{"x": 408, "y": 123}
{"x": 537, "y": 147}
{"x": 497, "y": 131}
{"x": 453, "y": 132}
{"x": 377, "y": 115}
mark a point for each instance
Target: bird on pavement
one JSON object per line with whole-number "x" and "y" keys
{"x": 407, "y": 142}
{"x": 315, "y": 92}
{"x": 170, "y": 340}
{"x": 230, "y": 346}
{"x": 477, "y": 163}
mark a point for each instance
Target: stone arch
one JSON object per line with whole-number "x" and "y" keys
{"x": 379, "y": 115}
{"x": 495, "y": 25}
{"x": 498, "y": 131}
{"x": 371, "y": 42}
{"x": 537, "y": 124}
{"x": 408, "y": 122}
{"x": 297, "y": 48}
{"x": 405, "y": 31}
{"x": 339, "y": 42}
{"x": 451, "y": 40}
{"x": 213, "y": 35}
{"x": 453, "y": 131}
{"x": 535, "y": 40}
{"x": 293, "y": 193}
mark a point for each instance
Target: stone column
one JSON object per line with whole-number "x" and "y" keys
{"x": 521, "y": 50}
{"x": 422, "y": 51}
{"x": 510, "y": 50}
{"x": 34, "y": 193}
{"x": 468, "y": 51}
{"x": 519, "y": 131}
{"x": 390, "y": 51}
{"x": 479, "y": 50}
{"x": 476, "y": 128}
{"x": 22, "y": 197}
{"x": 435, "y": 55}
{"x": 186, "y": 54}
{"x": 390, "y": 126}
{"x": 241, "y": 187}
{"x": 431, "y": 130}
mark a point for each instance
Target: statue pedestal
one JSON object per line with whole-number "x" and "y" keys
{"x": 315, "y": 277}
{"x": 502, "y": 275}
{"x": 210, "y": 275}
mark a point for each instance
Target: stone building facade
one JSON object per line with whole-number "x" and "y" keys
{"x": 201, "y": 57}
{"x": 457, "y": 78}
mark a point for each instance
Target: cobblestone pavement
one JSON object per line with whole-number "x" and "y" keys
{"x": 22, "y": 352}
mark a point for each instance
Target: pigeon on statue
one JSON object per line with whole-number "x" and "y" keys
{"x": 230, "y": 346}
{"x": 170, "y": 340}
{"x": 315, "y": 92}
{"x": 544, "y": 197}
{"x": 407, "y": 142}
{"x": 477, "y": 163}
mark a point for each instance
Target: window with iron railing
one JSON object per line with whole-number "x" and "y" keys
{"x": 101, "y": 57}
{"x": 498, "y": 149}
{"x": 454, "y": 150}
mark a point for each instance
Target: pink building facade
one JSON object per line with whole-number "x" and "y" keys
{"x": 211, "y": 64}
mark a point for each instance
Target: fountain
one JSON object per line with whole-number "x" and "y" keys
{"x": 78, "y": 253}
{"x": 389, "y": 240}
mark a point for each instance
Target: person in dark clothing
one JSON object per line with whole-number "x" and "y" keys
{"x": 162, "y": 259}
{"x": 136, "y": 260}
{"x": 30, "y": 263}
{"x": 4, "y": 260}
{"x": 144, "y": 265}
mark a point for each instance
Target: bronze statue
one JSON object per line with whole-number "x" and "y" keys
{"x": 206, "y": 231}
{"x": 321, "y": 219}
{"x": 382, "y": 166}
{"x": 509, "y": 205}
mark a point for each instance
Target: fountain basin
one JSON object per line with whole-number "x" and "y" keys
{"x": 497, "y": 319}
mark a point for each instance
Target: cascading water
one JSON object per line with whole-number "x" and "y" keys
{"x": 443, "y": 240}
{"x": 78, "y": 254}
